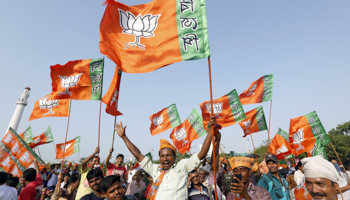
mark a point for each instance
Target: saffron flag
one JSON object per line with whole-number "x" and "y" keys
{"x": 71, "y": 147}
{"x": 280, "y": 145}
{"x": 254, "y": 122}
{"x": 15, "y": 154}
{"x": 79, "y": 79}
{"x": 146, "y": 37}
{"x": 191, "y": 129}
{"x": 27, "y": 135}
{"x": 304, "y": 131}
{"x": 111, "y": 98}
{"x": 228, "y": 110}
{"x": 50, "y": 108}
{"x": 164, "y": 120}
{"x": 44, "y": 138}
{"x": 259, "y": 91}
{"x": 301, "y": 192}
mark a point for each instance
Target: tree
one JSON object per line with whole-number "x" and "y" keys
{"x": 340, "y": 138}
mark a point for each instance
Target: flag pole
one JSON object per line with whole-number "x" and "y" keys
{"x": 225, "y": 157}
{"x": 268, "y": 131}
{"x": 99, "y": 125}
{"x": 212, "y": 127}
{"x": 115, "y": 121}
{"x": 38, "y": 151}
{"x": 256, "y": 156}
{"x": 54, "y": 146}
{"x": 340, "y": 161}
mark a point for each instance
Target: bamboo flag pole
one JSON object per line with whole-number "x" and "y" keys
{"x": 38, "y": 151}
{"x": 115, "y": 121}
{"x": 99, "y": 125}
{"x": 268, "y": 131}
{"x": 54, "y": 146}
{"x": 340, "y": 160}
{"x": 225, "y": 158}
{"x": 256, "y": 156}
{"x": 212, "y": 127}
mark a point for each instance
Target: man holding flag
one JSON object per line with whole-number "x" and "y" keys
{"x": 170, "y": 180}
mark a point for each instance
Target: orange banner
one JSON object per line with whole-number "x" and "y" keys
{"x": 111, "y": 98}
{"x": 50, "y": 108}
{"x": 71, "y": 147}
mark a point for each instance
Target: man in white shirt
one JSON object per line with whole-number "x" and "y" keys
{"x": 299, "y": 175}
{"x": 6, "y": 192}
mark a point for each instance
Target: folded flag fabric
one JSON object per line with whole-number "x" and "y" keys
{"x": 280, "y": 145}
{"x": 254, "y": 122}
{"x": 111, "y": 98}
{"x": 259, "y": 91}
{"x": 44, "y": 138}
{"x": 71, "y": 147}
{"x": 27, "y": 135}
{"x": 50, "y": 108}
{"x": 165, "y": 119}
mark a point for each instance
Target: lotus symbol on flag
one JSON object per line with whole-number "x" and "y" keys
{"x": 298, "y": 138}
{"x": 247, "y": 125}
{"x": 157, "y": 121}
{"x": 252, "y": 89}
{"x": 44, "y": 103}
{"x": 69, "y": 81}
{"x": 283, "y": 149}
{"x": 138, "y": 26}
{"x": 181, "y": 135}
{"x": 67, "y": 146}
{"x": 217, "y": 108}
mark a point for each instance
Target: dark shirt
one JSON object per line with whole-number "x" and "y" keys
{"x": 91, "y": 196}
{"x": 196, "y": 194}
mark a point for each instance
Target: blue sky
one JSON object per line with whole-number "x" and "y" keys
{"x": 305, "y": 44}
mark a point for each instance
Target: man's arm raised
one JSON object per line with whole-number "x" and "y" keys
{"x": 132, "y": 148}
{"x": 84, "y": 164}
{"x": 207, "y": 141}
{"x": 109, "y": 156}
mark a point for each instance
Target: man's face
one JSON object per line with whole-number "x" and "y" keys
{"x": 137, "y": 176}
{"x": 95, "y": 183}
{"x": 21, "y": 182}
{"x": 132, "y": 166}
{"x": 75, "y": 168}
{"x": 57, "y": 166}
{"x": 244, "y": 172}
{"x": 115, "y": 192}
{"x": 194, "y": 178}
{"x": 202, "y": 175}
{"x": 273, "y": 166}
{"x": 120, "y": 160}
{"x": 42, "y": 171}
{"x": 333, "y": 161}
{"x": 321, "y": 188}
{"x": 69, "y": 165}
{"x": 166, "y": 158}
{"x": 66, "y": 178}
{"x": 150, "y": 179}
{"x": 94, "y": 162}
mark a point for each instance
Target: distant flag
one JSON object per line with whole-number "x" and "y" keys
{"x": 228, "y": 110}
{"x": 192, "y": 128}
{"x": 259, "y": 91}
{"x": 254, "y": 122}
{"x": 50, "y": 108}
{"x": 15, "y": 154}
{"x": 111, "y": 98}
{"x": 146, "y": 37}
{"x": 79, "y": 79}
{"x": 149, "y": 155}
{"x": 304, "y": 131}
{"x": 72, "y": 146}
{"x": 44, "y": 138}
{"x": 165, "y": 119}
{"x": 280, "y": 145}
{"x": 27, "y": 135}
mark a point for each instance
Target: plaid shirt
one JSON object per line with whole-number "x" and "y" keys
{"x": 195, "y": 194}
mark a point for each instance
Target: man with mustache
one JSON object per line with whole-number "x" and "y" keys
{"x": 94, "y": 178}
{"x": 170, "y": 179}
{"x": 321, "y": 178}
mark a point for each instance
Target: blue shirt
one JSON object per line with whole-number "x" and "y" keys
{"x": 277, "y": 190}
{"x": 53, "y": 179}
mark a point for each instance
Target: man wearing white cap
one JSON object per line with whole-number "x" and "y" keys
{"x": 321, "y": 178}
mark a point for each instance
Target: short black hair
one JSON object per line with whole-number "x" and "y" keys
{"x": 108, "y": 181}
{"x": 172, "y": 150}
{"x": 120, "y": 155}
{"x": 332, "y": 158}
{"x": 98, "y": 158}
{"x": 300, "y": 164}
{"x": 3, "y": 177}
{"x": 97, "y": 172}
{"x": 66, "y": 174}
{"x": 193, "y": 171}
{"x": 29, "y": 174}
{"x": 12, "y": 181}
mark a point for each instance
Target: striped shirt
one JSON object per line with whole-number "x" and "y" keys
{"x": 195, "y": 194}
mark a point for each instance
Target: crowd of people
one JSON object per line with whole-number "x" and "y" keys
{"x": 192, "y": 178}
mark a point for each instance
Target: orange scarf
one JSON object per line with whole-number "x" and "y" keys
{"x": 155, "y": 186}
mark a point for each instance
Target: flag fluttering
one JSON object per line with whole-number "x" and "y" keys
{"x": 71, "y": 147}
{"x": 301, "y": 192}
{"x": 259, "y": 91}
{"x": 228, "y": 110}
{"x": 111, "y": 98}
{"x": 44, "y": 138}
{"x": 192, "y": 128}
{"x": 50, "y": 108}
{"x": 27, "y": 135}
{"x": 15, "y": 154}
{"x": 255, "y": 121}
{"x": 146, "y": 37}
{"x": 304, "y": 131}
{"x": 79, "y": 79}
{"x": 165, "y": 119}
{"x": 280, "y": 145}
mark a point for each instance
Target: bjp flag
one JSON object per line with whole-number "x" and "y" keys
{"x": 192, "y": 128}
{"x": 44, "y": 138}
{"x": 301, "y": 192}
{"x": 71, "y": 147}
{"x": 228, "y": 110}
{"x": 111, "y": 98}
{"x": 50, "y": 108}
{"x": 304, "y": 131}
{"x": 318, "y": 149}
{"x": 79, "y": 79}
{"x": 165, "y": 119}
{"x": 27, "y": 135}
{"x": 254, "y": 122}
{"x": 280, "y": 145}
{"x": 259, "y": 91}
{"x": 146, "y": 37}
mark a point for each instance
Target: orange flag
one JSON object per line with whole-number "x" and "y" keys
{"x": 50, "y": 108}
{"x": 228, "y": 110}
{"x": 301, "y": 192}
{"x": 259, "y": 91}
{"x": 111, "y": 98}
{"x": 254, "y": 122}
{"x": 146, "y": 37}
{"x": 72, "y": 146}
{"x": 79, "y": 79}
{"x": 164, "y": 120}
{"x": 27, "y": 135}
{"x": 280, "y": 145}
{"x": 191, "y": 129}
{"x": 16, "y": 155}
{"x": 44, "y": 138}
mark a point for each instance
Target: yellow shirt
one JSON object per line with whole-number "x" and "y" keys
{"x": 83, "y": 188}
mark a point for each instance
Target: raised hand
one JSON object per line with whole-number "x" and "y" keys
{"x": 120, "y": 129}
